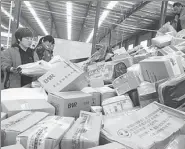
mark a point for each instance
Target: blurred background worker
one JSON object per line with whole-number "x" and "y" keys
{"x": 179, "y": 11}
{"x": 20, "y": 53}
{"x": 45, "y": 48}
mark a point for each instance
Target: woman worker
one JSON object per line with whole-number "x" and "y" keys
{"x": 20, "y": 53}
{"x": 45, "y": 48}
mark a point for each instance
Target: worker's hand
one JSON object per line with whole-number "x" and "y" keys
{"x": 15, "y": 70}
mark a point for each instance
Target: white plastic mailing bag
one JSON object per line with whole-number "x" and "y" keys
{"x": 149, "y": 128}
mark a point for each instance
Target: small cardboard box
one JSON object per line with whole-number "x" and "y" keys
{"x": 64, "y": 77}
{"x": 47, "y": 134}
{"x": 126, "y": 83}
{"x": 18, "y": 123}
{"x": 96, "y": 96}
{"x": 84, "y": 133}
{"x": 147, "y": 93}
{"x": 12, "y": 107}
{"x": 17, "y": 146}
{"x": 162, "y": 41}
{"x": 117, "y": 104}
{"x": 106, "y": 92}
{"x": 161, "y": 67}
{"x": 70, "y": 103}
{"x": 113, "y": 145}
{"x": 3, "y": 116}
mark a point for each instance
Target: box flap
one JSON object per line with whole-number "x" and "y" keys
{"x": 17, "y": 146}
{"x": 71, "y": 94}
{"x": 22, "y": 121}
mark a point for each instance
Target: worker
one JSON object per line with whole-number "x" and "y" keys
{"x": 19, "y": 53}
{"x": 179, "y": 10}
{"x": 45, "y": 48}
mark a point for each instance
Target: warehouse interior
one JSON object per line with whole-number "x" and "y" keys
{"x": 92, "y": 74}
{"x": 122, "y": 23}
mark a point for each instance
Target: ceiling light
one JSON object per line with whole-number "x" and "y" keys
{"x": 9, "y": 15}
{"x": 5, "y": 34}
{"x": 102, "y": 18}
{"x": 29, "y": 6}
{"x": 69, "y": 19}
{"x": 171, "y": 2}
{"x": 4, "y": 27}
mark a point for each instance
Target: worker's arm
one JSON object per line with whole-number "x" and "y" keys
{"x": 6, "y": 61}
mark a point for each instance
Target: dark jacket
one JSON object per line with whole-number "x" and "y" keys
{"x": 11, "y": 58}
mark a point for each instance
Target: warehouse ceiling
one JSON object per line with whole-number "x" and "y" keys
{"x": 123, "y": 19}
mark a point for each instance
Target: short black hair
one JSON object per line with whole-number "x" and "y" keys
{"x": 21, "y": 33}
{"x": 177, "y": 4}
{"x": 47, "y": 38}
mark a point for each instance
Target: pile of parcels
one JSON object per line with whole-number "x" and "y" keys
{"x": 135, "y": 101}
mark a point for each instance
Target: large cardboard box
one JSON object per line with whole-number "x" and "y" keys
{"x": 117, "y": 104}
{"x": 17, "y": 146}
{"x": 154, "y": 126}
{"x": 84, "y": 133}
{"x": 126, "y": 83}
{"x": 12, "y": 107}
{"x": 114, "y": 145}
{"x": 23, "y": 93}
{"x": 70, "y": 103}
{"x": 96, "y": 96}
{"x": 64, "y": 77}
{"x": 3, "y": 116}
{"x": 161, "y": 67}
{"x": 106, "y": 92}
{"x": 18, "y": 123}
{"x": 47, "y": 134}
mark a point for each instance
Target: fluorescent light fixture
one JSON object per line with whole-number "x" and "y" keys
{"x": 171, "y": 2}
{"x": 9, "y": 15}
{"x": 5, "y": 34}
{"x": 102, "y": 18}
{"x": 29, "y": 6}
{"x": 4, "y": 27}
{"x": 69, "y": 19}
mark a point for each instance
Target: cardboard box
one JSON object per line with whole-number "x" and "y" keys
{"x": 117, "y": 104}
{"x": 161, "y": 67}
{"x": 23, "y": 93}
{"x": 126, "y": 83}
{"x": 96, "y": 96}
{"x": 114, "y": 145}
{"x": 135, "y": 130}
{"x": 3, "y": 116}
{"x": 17, "y": 146}
{"x": 96, "y": 109}
{"x": 12, "y": 107}
{"x": 128, "y": 61}
{"x": 106, "y": 92}
{"x": 19, "y": 123}
{"x": 64, "y": 77}
{"x": 96, "y": 82}
{"x": 136, "y": 69}
{"x": 147, "y": 93}
{"x": 162, "y": 41}
{"x": 84, "y": 133}
{"x": 70, "y": 103}
{"x": 47, "y": 134}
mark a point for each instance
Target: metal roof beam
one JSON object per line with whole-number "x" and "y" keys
{"x": 52, "y": 18}
{"x": 84, "y": 20}
{"x": 134, "y": 9}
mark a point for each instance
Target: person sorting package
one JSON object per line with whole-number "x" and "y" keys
{"x": 18, "y": 54}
